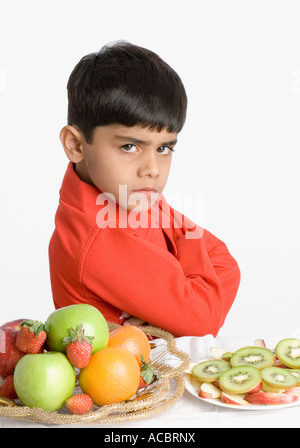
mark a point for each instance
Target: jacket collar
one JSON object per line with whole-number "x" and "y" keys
{"x": 83, "y": 196}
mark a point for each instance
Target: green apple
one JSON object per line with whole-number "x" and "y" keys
{"x": 44, "y": 380}
{"x": 93, "y": 322}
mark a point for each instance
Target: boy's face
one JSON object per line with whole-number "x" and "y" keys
{"x": 134, "y": 157}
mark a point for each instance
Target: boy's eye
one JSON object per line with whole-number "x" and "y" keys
{"x": 165, "y": 150}
{"x": 129, "y": 148}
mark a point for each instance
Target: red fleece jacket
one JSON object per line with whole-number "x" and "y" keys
{"x": 184, "y": 285}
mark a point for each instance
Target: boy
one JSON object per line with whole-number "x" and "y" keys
{"x": 117, "y": 244}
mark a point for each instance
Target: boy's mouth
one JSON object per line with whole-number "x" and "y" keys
{"x": 147, "y": 191}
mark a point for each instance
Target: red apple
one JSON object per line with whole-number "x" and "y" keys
{"x": 209, "y": 391}
{"x": 9, "y": 353}
{"x": 255, "y": 389}
{"x": 271, "y": 398}
{"x": 234, "y": 399}
{"x": 293, "y": 391}
{"x": 14, "y": 324}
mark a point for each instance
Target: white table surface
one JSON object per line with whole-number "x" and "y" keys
{"x": 190, "y": 412}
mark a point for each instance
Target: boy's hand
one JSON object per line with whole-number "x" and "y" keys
{"x": 131, "y": 320}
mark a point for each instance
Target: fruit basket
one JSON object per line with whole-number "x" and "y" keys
{"x": 169, "y": 364}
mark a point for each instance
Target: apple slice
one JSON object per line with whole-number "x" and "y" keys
{"x": 293, "y": 391}
{"x": 217, "y": 352}
{"x": 190, "y": 367}
{"x": 255, "y": 389}
{"x": 260, "y": 343}
{"x": 209, "y": 391}
{"x": 269, "y": 398}
{"x": 234, "y": 399}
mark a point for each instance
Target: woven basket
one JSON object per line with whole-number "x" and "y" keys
{"x": 154, "y": 399}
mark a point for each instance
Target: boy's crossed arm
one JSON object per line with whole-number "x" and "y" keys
{"x": 182, "y": 226}
{"x": 189, "y": 294}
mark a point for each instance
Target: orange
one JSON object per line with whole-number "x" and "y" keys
{"x": 112, "y": 375}
{"x": 132, "y": 339}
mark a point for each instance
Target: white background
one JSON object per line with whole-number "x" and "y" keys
{"x": 240, "y": 63}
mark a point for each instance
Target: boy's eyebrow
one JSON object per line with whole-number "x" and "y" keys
{"x": 143, "y": 142}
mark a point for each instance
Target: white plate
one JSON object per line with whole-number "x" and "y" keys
{"x": 193, "y": 387}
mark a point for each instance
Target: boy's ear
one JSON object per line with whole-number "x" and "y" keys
{"x": 72, "y": 141}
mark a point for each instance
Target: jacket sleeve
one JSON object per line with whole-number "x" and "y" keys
{"x": 188, "y": 294}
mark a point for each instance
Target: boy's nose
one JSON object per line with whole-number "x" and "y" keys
{"x": 149, "y": 166}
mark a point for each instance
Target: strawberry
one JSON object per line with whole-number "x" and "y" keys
{"x": 32, "y": 336}
{"x": 79, "y": 347}
{"x": 79, "y": 404}
{"x": 142, "y": 383}
{"x": 147, "y": 374}
{"x": 7, "y": 388}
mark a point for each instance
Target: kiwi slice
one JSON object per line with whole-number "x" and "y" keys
{"x": 240, "y": 379}
{"x": 227, "y": 356}
{"x": 209, "y": 371}
{"x": 278, "y": 378}
{"x": 296, "y": 374}
{"x": 288, "y": 352}
{"x": 253, "y": 356}
{"x": 273, "y": 390}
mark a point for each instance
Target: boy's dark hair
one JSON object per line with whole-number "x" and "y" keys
{"x": 125, "y": 84}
